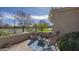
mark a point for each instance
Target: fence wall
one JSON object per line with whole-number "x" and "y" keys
{"x": 12, "y": 39}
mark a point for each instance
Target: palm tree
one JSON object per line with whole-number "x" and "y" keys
{"x": 1, "y": 18}
{"x": 50, "y": 14}
{"x": 14, "y": 22}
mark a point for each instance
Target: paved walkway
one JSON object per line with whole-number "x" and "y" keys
{"x": 23, "y": 47}
{"x": 18, "y": 47}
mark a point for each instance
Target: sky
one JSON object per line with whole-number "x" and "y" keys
{"x": 37, "y": 13}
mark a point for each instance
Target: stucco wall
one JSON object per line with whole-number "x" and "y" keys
{"x": 66, "y": 20}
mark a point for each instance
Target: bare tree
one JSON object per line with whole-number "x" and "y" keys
{"x": 23, "y": 19}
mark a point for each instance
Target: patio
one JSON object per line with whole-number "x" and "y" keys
{"x": 34, "y": 42}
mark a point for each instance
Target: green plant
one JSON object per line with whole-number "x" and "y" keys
{"x": 41, "y": 27}
{"x": 2, "y": 33}
{"x": 69, "y": 42}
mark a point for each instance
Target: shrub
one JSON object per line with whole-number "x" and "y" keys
{"x": 69, "y": 42}
{"x": 2, "y": 33}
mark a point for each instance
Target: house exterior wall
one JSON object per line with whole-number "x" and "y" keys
{"x": 66, "y": 20}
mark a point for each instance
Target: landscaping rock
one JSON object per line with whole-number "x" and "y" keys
{"x": 41, "y": 44}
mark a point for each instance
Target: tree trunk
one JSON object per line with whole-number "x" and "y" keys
{"x": 14, "y": 27}
{"x": 23, "y": 28}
